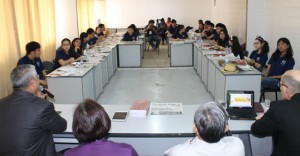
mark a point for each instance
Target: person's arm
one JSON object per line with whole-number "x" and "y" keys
{"x": 44, "y": 82}
{"x": 106, "y": 32}
{"x": 267, "y": 125}
{"x": 267, "y": 71}
{"x": 66, "y": 62}
{"x": 50, "y": 120}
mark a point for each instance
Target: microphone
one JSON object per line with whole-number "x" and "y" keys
{"x": 46, "y": 92}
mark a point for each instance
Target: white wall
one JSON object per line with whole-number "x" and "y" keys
{"x": 273, "y": 19}
{"x": 121, "y": 13}
{"x": 233, "y": 13}
{"x": 66, "y": 20}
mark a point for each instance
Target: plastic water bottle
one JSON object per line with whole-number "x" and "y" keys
{"x": 137, "y": 38}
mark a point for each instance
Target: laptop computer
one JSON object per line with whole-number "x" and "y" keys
{"x": 240, "y": 105}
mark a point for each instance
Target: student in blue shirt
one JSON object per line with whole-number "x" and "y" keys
{"x": 219, "y": 27}
{"x": 259, "y": 56}
{"x": 103, "y": 31}
{"x": 281, "y": 61}
{"x": 152, "y": 34}
{"x": 223, "y": 40}
{"x": 33, "y": 52}
{"x": 130, "y": 35}
{"x": 135, "y": 29}
{"x": 173, "y": 27}
{"x": 97, "y": 34}
{"x": 84, "y": 38}
{"x": 63, "y": 57}
{"x": 236, "y": 48}
{"x": 76, "y": 52}
{"x": 180, "y": 34}
{"x": 92, "y": 38}
{"x": 201, "y": 26}
{"x": 210, "y": 32}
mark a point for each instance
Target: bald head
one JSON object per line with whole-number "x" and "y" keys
{"x": 291, "y": 79}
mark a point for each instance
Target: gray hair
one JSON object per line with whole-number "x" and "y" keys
{"x": 21, "y": 75}
{"x": 211, "y": 120}
{"x": 292, "y": 83}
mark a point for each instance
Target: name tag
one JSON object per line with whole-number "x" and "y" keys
{"x": 283, "y": 62}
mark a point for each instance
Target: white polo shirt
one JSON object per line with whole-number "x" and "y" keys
{"x": 227, "y": 146}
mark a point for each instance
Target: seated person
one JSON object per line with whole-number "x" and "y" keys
{"x": 219, "y": 27}
{"x": 173, "y": 27}
{"x": 92, "y": 136}
{"x": 281, "y": 61}
{"x": 33, "y": 52}
{"x": 201, "y": 26}
{"x": 259, "y": 56}
{"x": 152, "y": 34}
{"x": 84, "y": 38}
{"x": 63, "y": 57}
{"x": 130, "y": 35}
{"x": 223, "y": 40}
{"x": 76, "y": 52}
{"x": 281, "y": 121}
{"x": 210, "y": 32}
{"x": 97, "y": 32}
{"x": 135, "y": 29}
{"x": 236, "y": 48}
{"x": 210, "y": 126}
{"x": 162, "y": 30}
{"x": 180, "y": 34}
{"x": 28, "y": 120}
{"x": 103, "y": 31}
{"x": 92, "y": 38}
{"x": 169, "y": 22}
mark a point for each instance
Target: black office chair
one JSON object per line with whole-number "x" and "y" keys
{"x": 48, "y": 66}
{"x": 268, "y": 90}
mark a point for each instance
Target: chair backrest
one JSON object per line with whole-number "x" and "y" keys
{"x": 48, "y": 66}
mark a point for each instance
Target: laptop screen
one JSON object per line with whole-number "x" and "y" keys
{"x": 240, "y": 99}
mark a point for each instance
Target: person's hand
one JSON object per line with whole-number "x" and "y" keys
{"x": 257, "y": 65}
{"x": 258, "y": 117}
{"x": 71, "y": 60}
{"x": 76, "y": 48}
{"x": 41, "y": 95}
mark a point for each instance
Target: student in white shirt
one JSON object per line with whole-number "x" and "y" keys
{"x": 210, "y": 125}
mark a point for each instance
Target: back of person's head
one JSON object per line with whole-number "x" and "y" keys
{"x": 291, "y": 80}
{"x": 21, "y": 76}
{"x": 210, "y": 120}
{"x": 101, "y": 25}
{"x": 32, "y": 46}
{"x": 83, "y": 35}
{"x": 289, "y": 52}
{"x": 265, "y": 45}
{"x": 174, "y": 21}
{"x": 90, "y": 122}
{"x": 90, "y": 31}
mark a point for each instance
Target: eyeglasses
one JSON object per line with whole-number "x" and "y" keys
{"x": 281, "y": 84}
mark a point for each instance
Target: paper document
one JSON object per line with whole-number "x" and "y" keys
{"x": 166, "y": 108}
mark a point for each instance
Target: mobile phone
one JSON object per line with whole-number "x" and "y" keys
{"x": 120, "y": 116}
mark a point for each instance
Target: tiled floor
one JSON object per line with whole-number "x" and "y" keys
{"x": 157, "y": 85}
{"x": 153, "y": 60}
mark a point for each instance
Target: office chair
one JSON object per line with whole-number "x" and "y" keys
{"x": 148, "y": 41}
{"x": 268, "y": 90}
{"x": 48, "y": 66}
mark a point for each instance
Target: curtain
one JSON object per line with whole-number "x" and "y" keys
{"x": 25, "y": 21}
{"x": 88, "y": 13}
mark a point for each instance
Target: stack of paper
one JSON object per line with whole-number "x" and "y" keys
{"x": 139, "y": 108}
{"x": 166, "y": 109}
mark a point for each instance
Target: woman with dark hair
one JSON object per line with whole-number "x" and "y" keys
{"x": 223, "y": 40}
{"x": 179, "y": 34}
{"x": 91, "y": 125}
{"x": 236, "y": 48}
{"x": 76, "y": 52}
{"x": 259, "y": 56}
{"x": 84, "y": 38}
{"x": 281, "y": 61}
{"x": 63, "y": 57}
{"x": 135, "y": 29}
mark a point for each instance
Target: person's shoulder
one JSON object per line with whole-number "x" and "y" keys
{"x": 22, "y": 60}
{"x": 232, "y": 140}
{"x": 119, "y": 145}
{"x": 234, "y": 143}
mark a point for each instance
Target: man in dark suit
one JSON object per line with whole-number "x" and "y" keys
{"x": 282, "y": 120}
{"x": 27, "y": 120}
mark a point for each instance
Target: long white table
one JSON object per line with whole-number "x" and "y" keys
{"x": 181, "y": 53}
{"x": 217, "y": 81}
{"x": 154, "y": 134}
{"x": 130, "y": 53}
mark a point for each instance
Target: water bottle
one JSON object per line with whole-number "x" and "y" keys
{"x": 137, "y": 38}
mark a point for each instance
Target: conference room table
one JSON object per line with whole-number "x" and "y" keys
{"x": 181, "y": 53}
{"x": 216, "y": 80}
{"x": 154, "y": 134}
{"x": 94, "y": 74}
